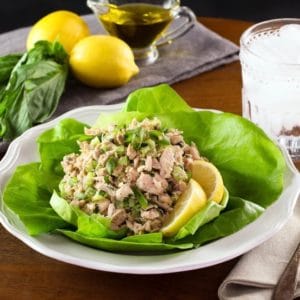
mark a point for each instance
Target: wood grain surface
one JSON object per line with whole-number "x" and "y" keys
{"x": 25, "y": 274}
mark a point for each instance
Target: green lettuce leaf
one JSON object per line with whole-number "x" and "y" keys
{"x": 66, "y": 211}
{"x": 97, "y": 226}
{"x": 123, "y": 245}
{"x": 155, "y": 237}
{"x": 55, "y": 143}
{"x": 89, "y": 225}
{"x": 158, "y": 99}
{"x": 205, "y": 215}
{"x": 120, "y": 118}
{"x": 27, "y": 194}
{"x": 237, "y": 215}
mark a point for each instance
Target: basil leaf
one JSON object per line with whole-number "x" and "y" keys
{"x": 7, "y": 63}
{"x": 34, "y": 89}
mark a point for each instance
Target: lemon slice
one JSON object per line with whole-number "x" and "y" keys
{"x": 210, "y": 179}
{"x": 188, "y": 204}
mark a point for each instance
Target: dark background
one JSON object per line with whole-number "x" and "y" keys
{"x": 19, "y": 13}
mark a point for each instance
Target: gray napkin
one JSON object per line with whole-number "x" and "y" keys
{"x": 197, "y": 51}
{"x": 258, "y": 271}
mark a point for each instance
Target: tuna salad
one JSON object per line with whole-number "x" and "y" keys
{"x": 133, "y": 175}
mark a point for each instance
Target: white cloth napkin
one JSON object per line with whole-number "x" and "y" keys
{"x": 258, "y": 271}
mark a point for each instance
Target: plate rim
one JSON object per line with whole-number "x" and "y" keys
{"x": 44, "y": 250}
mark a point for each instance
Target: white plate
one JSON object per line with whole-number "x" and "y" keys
{"x": 24, "y": 150}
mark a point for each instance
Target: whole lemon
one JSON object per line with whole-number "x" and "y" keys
{"x": 63, "y": 26}
{"x": 103, "y": 61}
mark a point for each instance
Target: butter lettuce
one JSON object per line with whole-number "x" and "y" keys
{"x": 91, "y": 225}
{"x": 124, "y": 245}
{"x": 158, "y": 99}
{"x": 238, "y": 214}
{"x": 205, "y": 215}
{"x": 27, "y": 194}
{"x": 55, "y": 143}
{"x": 252, "y": 167}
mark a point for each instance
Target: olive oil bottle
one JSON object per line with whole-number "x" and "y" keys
{"x": 138, "y": 24}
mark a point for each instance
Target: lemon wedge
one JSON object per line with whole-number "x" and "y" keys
{"x": 210, "y": 179}
{"x": 188, "y": 204}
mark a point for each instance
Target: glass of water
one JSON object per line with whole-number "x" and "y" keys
{"x": 270, "y": 60}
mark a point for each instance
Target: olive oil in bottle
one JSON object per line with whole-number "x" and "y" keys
{"x": 138, "y": 24}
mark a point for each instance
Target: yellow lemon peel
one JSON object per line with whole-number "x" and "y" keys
{"x": 103, "y": 61}
{"x": 63, "y": 26}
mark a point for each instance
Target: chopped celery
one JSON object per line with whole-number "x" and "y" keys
{"x": 120, "y": 150}
{"x": 123, "y": 161}
{"x": 73, "y": 181}
{"x": 80, "y": 196}
{"x": 110, "y": 165}
{"x": 99, "y": 196}
{"x": 62, "y": 189}
{"x": 155, "y": 133}
{"x": 179, "y": 174}
{"x": 89, "y": 179}
{"x": 150, "y": 143}
{"x": 107, "y": 179}
{"x": 95, "y": 141}
{"x": 140, "y": 197}
{"x": 90, "y": 192}
{"x": 164, "y": 141}
{"x": 90, "y": 166}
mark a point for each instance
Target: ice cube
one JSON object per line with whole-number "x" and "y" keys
{"x": 290, "y": 32}
{"x": 268, "y": 47}
{"x": 290, "y": 37}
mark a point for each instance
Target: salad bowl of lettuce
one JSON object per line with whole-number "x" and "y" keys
{"x": 262, "y": 183}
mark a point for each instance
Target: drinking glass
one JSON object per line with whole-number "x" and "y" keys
{"x": 143, "y": 25}
{"x": 270, "y": 60}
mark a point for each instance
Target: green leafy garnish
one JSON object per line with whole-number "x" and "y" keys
{"x": 7, "y": 63}
{"x": 111, "y": 165}
{"x": 140, "y": 197}
{"x": 33, "y": 90}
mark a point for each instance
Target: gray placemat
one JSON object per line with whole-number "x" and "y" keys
{"x": 199, "y": 50}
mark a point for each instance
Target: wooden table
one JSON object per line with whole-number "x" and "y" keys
{"x": 26, "y": 274}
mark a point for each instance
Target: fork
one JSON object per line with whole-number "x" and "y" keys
{"x": 286, "y": 286}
